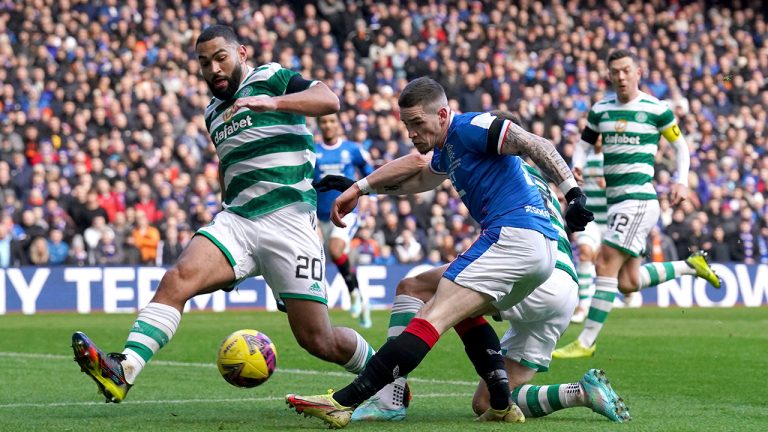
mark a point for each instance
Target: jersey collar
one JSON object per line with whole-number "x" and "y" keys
{"x": 332, "y": 146}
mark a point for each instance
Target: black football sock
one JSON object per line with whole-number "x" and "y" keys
{"x": 484, "y": 351}
{"x": 398, "y": 357}
{"x": 345, "y": 269}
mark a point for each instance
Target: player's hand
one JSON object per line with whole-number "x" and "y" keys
{"x": 577, "y": 216}
{"x": 258, "y": 103}
{"x": 333, "y": 182}
{"x": 344, "y": 204}
{"x": 578, "y": 176}
{"x": 679, "y": 193}
{"x": 600, "y": 182}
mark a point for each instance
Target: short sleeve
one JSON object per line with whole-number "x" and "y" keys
{"x": 278, "y": 81}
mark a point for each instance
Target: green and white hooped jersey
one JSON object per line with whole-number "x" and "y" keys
{"x": 267, "y": 159}
{"x": 630, "y": 134}
{"x": 564, "y": 257}
{"x": 596, "y": 203}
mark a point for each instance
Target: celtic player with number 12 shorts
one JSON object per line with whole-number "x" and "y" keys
{"x": 631, "y": 124}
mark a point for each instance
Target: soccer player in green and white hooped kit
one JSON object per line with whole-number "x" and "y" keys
{"x": 588, "y": 241}
{"x": 268, "y": 223}
{"x": 631, "y": 124}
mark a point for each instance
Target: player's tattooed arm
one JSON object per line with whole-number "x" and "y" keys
{"x": 517, "y": 141}
{"x": 405, "y": 175}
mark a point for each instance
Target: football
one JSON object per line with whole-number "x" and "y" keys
{"x": 247, "y": 358}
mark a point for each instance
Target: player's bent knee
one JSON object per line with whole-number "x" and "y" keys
{"x": 627, "y": 289}
{"x": 629, "y": 283}
{"x": 318, "y": 345}
{"x": 405, "y": 286}
{"x": 172, "y": 288}
{"x": 415, "y": 287}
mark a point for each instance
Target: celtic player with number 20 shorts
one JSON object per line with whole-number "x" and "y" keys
{"x": 631, "y": 124}
{"x": 267, "y": 227}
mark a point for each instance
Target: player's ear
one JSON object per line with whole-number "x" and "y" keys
{"x": 442, "y": 114}
{"x": 242, "y": 53}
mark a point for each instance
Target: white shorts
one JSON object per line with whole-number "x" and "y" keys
{"x": 330, "y": 230}
{"x": 505, "y": 263}
{"x": 536, "y": 324}
{"x": 282, "y": 246}
{"x": 629, "y": 223}
{"x": 592, "y": 235}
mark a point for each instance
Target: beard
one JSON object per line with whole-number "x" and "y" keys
{"x": 233, "y": 83}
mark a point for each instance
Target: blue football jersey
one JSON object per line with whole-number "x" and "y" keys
{"x": 496, "y": 189}
{"x": 344, "y": 158}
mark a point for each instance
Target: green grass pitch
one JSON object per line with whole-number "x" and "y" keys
{"x": 678, "y": 370}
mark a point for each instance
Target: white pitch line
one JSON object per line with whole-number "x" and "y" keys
{"x": 189, "y": 401}
{"x": 211, "y": 365}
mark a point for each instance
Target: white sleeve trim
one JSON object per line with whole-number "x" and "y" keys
{"x": 504, "y": 128}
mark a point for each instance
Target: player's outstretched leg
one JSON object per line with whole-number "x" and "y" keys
{"x": 696, "y": 264}
{"x": 105, "y": 369}
{"x": 602, "y": 398}
{"x": 323, "y": 407}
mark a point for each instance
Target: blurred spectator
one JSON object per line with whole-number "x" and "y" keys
{"x": 147, "y": 205}
{"x": 95, "y": 232}
{"x": 132, "y": 253}
{"x": 364, "y": 249}
{"x": 391, "y": 230}
{"x": 660, "y": 247}
{"x": 747, "y": 249}
{"x": 108, "y": 251}
{"x": 11, "y": 254}
{"x": 722, "y": 249}
{"x": 38, "y": 252}
{"x": 433, "y": 258}
{"x": 146, "y": 238}
{"x": 762, "y": 244}
{"x": 58, "y": 249}
{"x": 409, "y": 223}
{"x": 386, "y": 257}
{"x": 78, "y": 255}
{"x": 86, "y": 208}
{"x": 680, "y": 233}
{"x": 172, "y": 246}
{"x": 407, "y": 249}
{"x": 697, "y": 236}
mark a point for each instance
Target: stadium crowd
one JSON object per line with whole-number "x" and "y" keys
{"x": 104, "y": 156}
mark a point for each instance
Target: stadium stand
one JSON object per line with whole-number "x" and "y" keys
{"x": 104, "y": 153}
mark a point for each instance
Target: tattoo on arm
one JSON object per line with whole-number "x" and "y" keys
{"x": 391, "y": 188}
{"x": 518, "y": 141}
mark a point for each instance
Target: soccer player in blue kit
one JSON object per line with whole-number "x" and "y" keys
{"x": 516, "y": 250}
{"x": 336, "y": 156}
